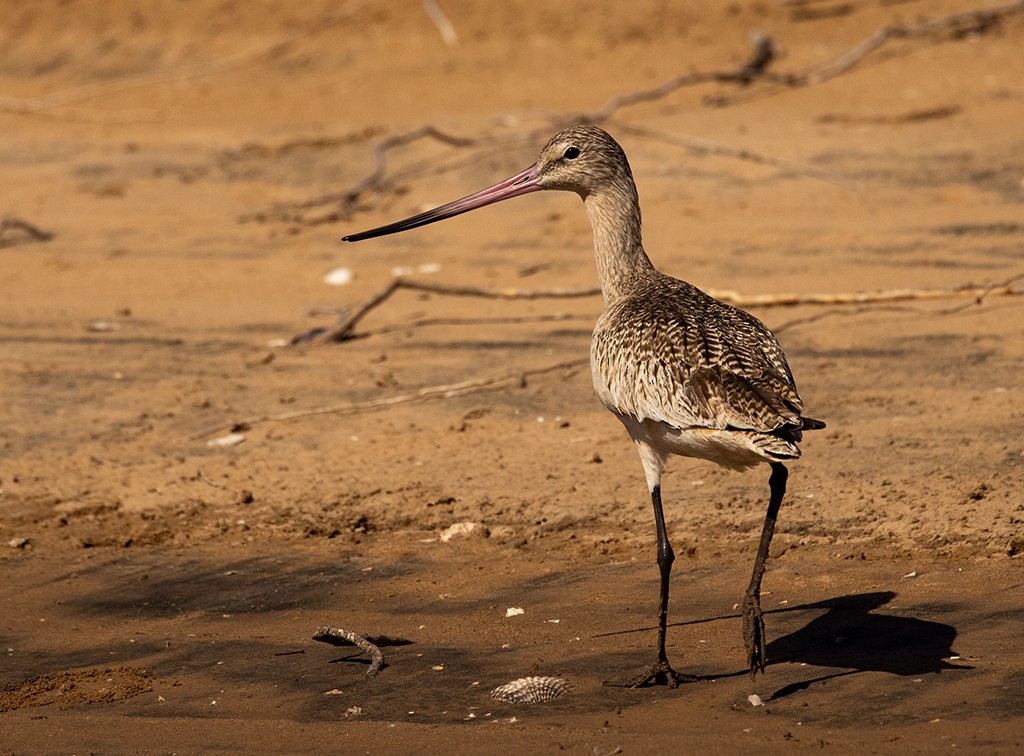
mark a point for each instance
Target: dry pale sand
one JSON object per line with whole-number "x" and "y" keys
{"x": 193, "y": 164}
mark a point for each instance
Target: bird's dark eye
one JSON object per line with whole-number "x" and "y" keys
{"x": 572, "y": 153}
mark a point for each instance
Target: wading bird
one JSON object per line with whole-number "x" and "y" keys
{"x": 685, "y": 373}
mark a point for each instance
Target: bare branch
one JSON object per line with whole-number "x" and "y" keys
{"x": 717, "y": 148}
{"x": 959, "y": 24}
{"x": 763, "y": 55}
{"x": 343, "y": 329}
{"x": 29, "y": 233}
{"x": 293, "y": 212}
{"x": 753, "y": 70}
{"x": 977, "y": 296}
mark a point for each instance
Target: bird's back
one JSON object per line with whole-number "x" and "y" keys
{"x": 669, "y": 353}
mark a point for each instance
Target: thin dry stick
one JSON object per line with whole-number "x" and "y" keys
{"x": 763, "y": 55}
{"x": 1003, "y": 288}
{"x": 477, "y": 385}
{"x": 343, "y": 329}
{"x": 292, "y": 212}
{"x": 755, "y": 69}
{"x": 389, "y": 143}
{"x": 338, "y": 636}
{"x": 962, "y": 23}
{"x": 717, "y": 148}
{"x": 977, "y": 294}
{"x": 30, "y": 232}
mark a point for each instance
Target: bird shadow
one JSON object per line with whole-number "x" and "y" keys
{"x": 852, "y": 637}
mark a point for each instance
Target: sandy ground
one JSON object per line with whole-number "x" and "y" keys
{"x": 192, "y": 166}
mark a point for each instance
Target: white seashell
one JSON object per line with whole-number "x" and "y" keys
{"x": 231, "y": 439}
{"x": 531, "y": 690}
{"x": 339, "y": 277}
{"x": 514, "y": 611}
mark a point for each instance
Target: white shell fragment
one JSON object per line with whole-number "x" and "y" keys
{"x": 231, "y": 439}
{"x": 339, "y": 277}
{"x": 103, "y": 326}
{"x": 531, "y": 690}
{"x": 456, "y": 529}
{"x": 755, "y": 700}
{"x": 408, "y": 270}
{"x": 514, "y": 611}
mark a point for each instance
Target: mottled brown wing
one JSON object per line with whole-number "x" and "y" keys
{"x": 691, "y": 361}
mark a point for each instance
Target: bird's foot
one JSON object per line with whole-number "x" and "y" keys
{"x": 659, "y": 673}
{"x": 753, "y": 635}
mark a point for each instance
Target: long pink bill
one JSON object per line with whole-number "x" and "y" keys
{"x": 521, "y": 183}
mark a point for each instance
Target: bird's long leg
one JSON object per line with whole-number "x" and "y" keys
{"x": 666, "y": 556}
{"x": 753, "y": 622}
{"x": 661, "y": 672}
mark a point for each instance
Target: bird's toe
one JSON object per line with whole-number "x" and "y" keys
{"x": 659, "y": 673}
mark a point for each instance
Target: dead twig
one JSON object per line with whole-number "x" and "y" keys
{"x": 1006, "y": 287}
{"x": 958, "y": 25}
{"x": 343, "y": 329}
{"x": 346, "y": 198}
{"x": 977, "y": 295}
{"x": 764, "y": 53}
{"x": 338, "y": 636}
{"x": 28, "y": 232}
{"x": 717, "y": 148}
{"x": 754, "y": 69}
{"x": 447, "y": 391}
{"x": 389, "y": 143}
